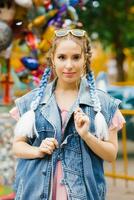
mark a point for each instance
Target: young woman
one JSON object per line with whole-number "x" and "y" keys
{"x": 66, "y": 129}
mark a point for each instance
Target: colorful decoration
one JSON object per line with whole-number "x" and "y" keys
{"x": 33, "y": 27}
{"x": 72, "y": 12}
{"x": 30, "y": 63}
{"x": 47, "y": 36}
{"x": 43, "y": 19}
{"x": 6, "y": 35}
{"x": 74, "y": 2}
{"x": 31, "y": 40}
{"x": 60, "y": 3}
{"x": 47, "y": 4}
{"x": 38, "y": 2}
{"x": 24, "y": 3}
{"x": 41, "y": 10}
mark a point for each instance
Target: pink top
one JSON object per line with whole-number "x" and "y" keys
{"x": 59, "y": 190}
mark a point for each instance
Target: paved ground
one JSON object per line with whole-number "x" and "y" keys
{"x": 120, "y": 189}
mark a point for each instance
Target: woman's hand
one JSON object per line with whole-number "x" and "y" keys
{"x": 47, "y": 146}
{"x": 82, "y": 122}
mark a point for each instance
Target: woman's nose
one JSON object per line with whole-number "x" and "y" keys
{"x": 68, "y": 64}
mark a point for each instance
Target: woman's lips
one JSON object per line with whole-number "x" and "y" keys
{"x": 69, "y": 74}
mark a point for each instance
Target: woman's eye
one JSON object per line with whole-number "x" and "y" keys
{"x": 62, "y": 57}
{"x": 76, "y": 57}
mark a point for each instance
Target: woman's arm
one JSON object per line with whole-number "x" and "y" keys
{"x": 107, "y": 150}
{"x": 21, "y": 149}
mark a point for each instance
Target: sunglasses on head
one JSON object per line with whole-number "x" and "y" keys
{"x": 75, "y": 32}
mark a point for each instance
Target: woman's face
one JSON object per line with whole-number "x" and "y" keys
{"x": 68, "y": 61}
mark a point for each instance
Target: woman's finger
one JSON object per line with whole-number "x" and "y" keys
{"x": 78, "y": 110}
{"x": 46, "y": 150}
{"x": 80, "y": 121}
{"x": 79, "y": 116}
{"x": 55, "y": 142}
{"x": 51, "y": 144}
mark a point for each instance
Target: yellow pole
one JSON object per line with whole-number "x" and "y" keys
{"x": 114, "y": 172}
{"x": 120, "y": 176}
{"x": 125, "y": 157}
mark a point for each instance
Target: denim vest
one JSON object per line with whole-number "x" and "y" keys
{"x": 83, "y": 174}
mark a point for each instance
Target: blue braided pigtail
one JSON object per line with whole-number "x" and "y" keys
{"x": 23, "y": 128}
{"x": 101, "y": 128}
{"x": 42, "y": 87}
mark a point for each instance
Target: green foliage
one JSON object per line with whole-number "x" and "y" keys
{"x": 112, "y": 20}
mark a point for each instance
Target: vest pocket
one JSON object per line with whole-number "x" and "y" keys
{"x": 19, "y": 190}
{"x": 75, "y": 185}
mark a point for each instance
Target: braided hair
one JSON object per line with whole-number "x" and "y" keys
{"x": 42, "y": 86}
{"x": 29, "y": 129}
{"x": 84, "y": 42}
{"x": 100, "y": 124}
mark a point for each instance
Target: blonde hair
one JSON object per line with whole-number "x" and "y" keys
{"x": 84, "y": 42}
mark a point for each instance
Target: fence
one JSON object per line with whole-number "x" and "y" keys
{"x": 113, "y": 174}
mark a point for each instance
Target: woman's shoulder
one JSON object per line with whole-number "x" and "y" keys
{"x": 102, "y": 93}
{"x": 107, "y": 98}
{"x": 28, "y": 95}
{"x": 23, "y": 103}
{"x": 109, "y": 104}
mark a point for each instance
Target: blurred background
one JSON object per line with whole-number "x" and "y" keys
{"x": 26, "y": 31}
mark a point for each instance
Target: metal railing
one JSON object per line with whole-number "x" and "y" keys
{"x": 114, "y": 174}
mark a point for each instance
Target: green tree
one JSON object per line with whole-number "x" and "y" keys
{"x": 114, "y": 23}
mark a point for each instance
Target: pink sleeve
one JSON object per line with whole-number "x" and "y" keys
{"x": 117, "y": 121}
{"x": 14, "y": 112}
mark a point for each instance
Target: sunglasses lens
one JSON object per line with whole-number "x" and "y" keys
{"x": 61, "y": 33}
{"x": 78, "y": 32}
{"x": 75, "y": 32}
